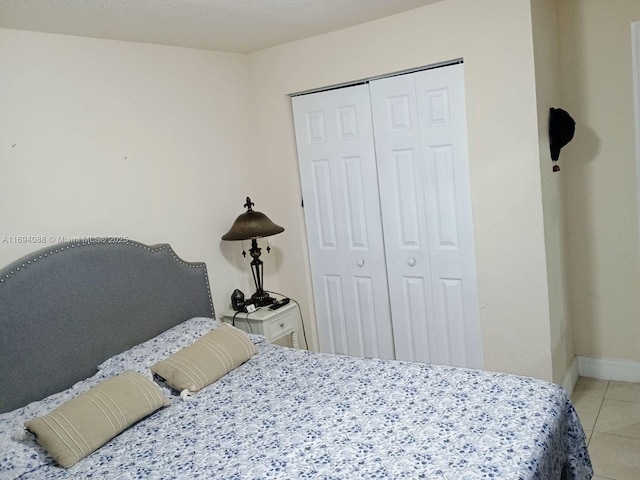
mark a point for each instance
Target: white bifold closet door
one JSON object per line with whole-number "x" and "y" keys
{"x": 342, "y": 213}
{"x": 385, "y": 179}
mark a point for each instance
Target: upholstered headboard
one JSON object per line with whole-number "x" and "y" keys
{"x": 67, "y": 308}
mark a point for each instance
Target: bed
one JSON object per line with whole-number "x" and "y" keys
{"x": 78, "y": 315}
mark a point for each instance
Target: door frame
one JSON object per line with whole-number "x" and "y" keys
{"x": 378, "y": 77}
{"x": 635, "y": 49}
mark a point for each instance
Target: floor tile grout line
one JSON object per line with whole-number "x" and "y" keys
{"x": 619, "y": 400}
{"x": 614, "y": 435}
{"x": 600, "y": 407}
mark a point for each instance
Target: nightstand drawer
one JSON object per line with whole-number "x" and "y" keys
{"x": 278, "y": 326}
{"x": 283, "y": 324}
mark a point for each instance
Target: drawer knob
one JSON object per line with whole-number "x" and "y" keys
{"x": 361, "y": 262}
{"x": 282, "y": 325}
{"x": 412, "y": 262}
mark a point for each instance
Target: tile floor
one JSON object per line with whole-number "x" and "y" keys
{"x": 610, "y": 415}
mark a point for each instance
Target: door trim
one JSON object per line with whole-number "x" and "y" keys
{"x": 635, "y": 48}
{"x": 377, "y": 77}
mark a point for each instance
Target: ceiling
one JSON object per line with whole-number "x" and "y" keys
{"x": 241, "y": 26}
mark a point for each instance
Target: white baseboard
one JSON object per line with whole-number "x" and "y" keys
{"x": 609, "y": 369}
{"x": 571, "y": 377}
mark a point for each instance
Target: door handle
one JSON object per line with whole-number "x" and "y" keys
{"x": 411, "y": 262}
{"x": 361, "y": 262}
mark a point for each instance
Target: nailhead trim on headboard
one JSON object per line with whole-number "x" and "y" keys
{"x": 43, "y": 254}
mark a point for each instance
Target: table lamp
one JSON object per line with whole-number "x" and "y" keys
{"x": 253, "y": 225}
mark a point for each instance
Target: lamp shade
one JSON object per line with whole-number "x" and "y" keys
{"x": 252, "y": 224}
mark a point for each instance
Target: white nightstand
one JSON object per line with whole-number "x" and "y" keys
{"x": 279, "y": 326}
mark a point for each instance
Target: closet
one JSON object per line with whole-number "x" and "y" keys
{"x": 385, "y": 181}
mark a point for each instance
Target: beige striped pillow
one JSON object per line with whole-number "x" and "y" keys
{"x": 86, "y": 422}
{"x": 211, "y": 357}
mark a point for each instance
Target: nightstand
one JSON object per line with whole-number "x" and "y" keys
{"x": 279, "y": 326}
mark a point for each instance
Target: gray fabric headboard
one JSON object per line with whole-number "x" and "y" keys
{"x": 67, "y": 308}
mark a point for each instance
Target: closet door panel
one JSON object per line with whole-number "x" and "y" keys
{"x": 404, "y": 197}
{"x": 404, "y": 218}
{"x": 451, "y": 322}
{"x": 342, "y": 213}
{"x": 419, "y": 120}
{"x": 413, "y": 339}
{"x": 334, "y": 331}
{"x": 322, "y": 191}
{"x": 443, "y": 137}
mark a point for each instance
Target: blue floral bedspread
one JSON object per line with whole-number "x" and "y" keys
{"x": 292, "y": 414}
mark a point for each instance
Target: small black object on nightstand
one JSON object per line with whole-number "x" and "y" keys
{"x": 278, "y": 303}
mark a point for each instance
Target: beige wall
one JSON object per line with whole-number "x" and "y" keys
{"x": 162, "y": 144}
{"x": 599, "y": 168}
{"x": 548, "y": 94}
{"x": 115, "y": 138}
{"x": 495, "y": 39}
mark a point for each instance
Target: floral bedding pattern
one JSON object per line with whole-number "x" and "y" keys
{"x": 293, "y": 414}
